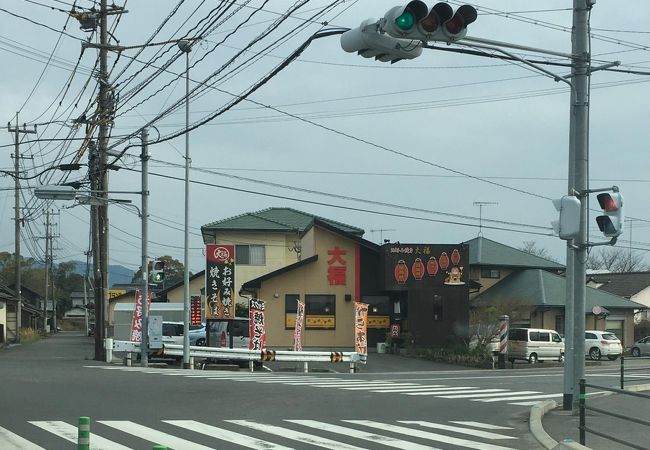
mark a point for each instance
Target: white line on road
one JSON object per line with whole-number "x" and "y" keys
{"x": 11, "y": 441}
{"x": 70, "y": 433}
{"x": 515, "y": 398}
{"x": 230, "y": 436}
{"x": 495, "y": 393}
{"x": 149, "y": 434}
{"x": 471, "y": 432}
{"x": 486, "y": 426}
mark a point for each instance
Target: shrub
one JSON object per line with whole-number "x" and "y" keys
{"x": 29, "y": 335}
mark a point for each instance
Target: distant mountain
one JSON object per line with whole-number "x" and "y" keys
{"x": 117, "y": 274}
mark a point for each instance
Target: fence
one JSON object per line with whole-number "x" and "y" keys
{"x": 240, "y": 354}
{"x": 583, "y": 429}
{"x": 633, "y": 369}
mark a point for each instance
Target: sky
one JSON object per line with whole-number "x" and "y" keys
{"x": 438, "y": 149}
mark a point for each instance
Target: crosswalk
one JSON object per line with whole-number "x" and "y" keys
{"x": 471, "y": 393}
{"x": 281, "y": 435}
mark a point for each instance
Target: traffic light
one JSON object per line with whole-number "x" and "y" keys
{"x": 568, "y": 226}
{"x": 158, "y": 271}
{"x": 611, "y": 224}
{"x": 368, "y": 42}
{"x": 415, "y": 21}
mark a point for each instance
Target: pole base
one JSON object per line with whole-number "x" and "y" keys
{"x": 567, "y": 402}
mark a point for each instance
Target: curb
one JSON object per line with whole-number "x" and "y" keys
{"x": 538, "y": 432}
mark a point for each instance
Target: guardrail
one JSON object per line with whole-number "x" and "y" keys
{"x": 253, "y": 356}
{"x": 582, "y": 427}
{"x": 636, "y": 378}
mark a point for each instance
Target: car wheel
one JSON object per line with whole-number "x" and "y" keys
{"x": 636, "y": 351}
{"x": 200, "y": 342}
{"x": 594, "y": 354}
{"x": 612, "y": 357}
{"x": 532, "y": 359}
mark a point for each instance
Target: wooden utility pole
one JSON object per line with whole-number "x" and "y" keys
{"x": 16, "y": 130}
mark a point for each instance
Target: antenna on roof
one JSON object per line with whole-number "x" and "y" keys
{"x": 480, "y": 214}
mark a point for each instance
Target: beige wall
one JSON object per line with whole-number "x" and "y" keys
{"x": 177, "y": 295}
{"x": 487, "y": 283}
{"x": 312, "y": 279}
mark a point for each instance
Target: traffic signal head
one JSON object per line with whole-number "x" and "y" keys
{"x": 369, "y": 43}
{"x": 611, "y": 224}
{"x": 415, "y": 21}
{"x": 158, "y": 271}
{"x": 568, "y": 226}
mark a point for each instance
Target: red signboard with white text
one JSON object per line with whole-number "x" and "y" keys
{"x": 220, "y": 289}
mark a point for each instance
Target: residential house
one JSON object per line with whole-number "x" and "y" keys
{"x": 631, "y": 285}
{"x": 31, "y": 316}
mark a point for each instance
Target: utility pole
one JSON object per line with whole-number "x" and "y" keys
{"x": 144, "y": 343}
{"x": 16, "y": 130}
{"x": 47, "y": 270}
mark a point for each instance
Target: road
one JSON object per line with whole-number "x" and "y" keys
{"x": 47, "y": 386}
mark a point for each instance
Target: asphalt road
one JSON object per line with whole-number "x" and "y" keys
{"x": 393, "y": 402}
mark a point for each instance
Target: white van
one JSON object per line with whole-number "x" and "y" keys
{"x": 220, "y": 332}
{"x": 535, "y": 344}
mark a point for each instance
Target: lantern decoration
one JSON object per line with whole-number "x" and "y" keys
{"x": 444, "y": 261}
{"x": 455, "y": 257}
{"x": 432, "y": 266}
{"x": 418, "y": 269}
{"x": 401, "y": 272}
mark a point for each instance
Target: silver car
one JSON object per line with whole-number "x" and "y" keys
{"x": 641, "y": 347}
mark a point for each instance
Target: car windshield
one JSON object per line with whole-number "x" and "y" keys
{"x": 610, "y": 337}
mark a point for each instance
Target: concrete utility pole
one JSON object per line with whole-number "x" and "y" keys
{"x": 47, "y": 270}
{"x": 580, "y": 72}
{"x": 16, "y": 130}
{"x": 144, "y": 157}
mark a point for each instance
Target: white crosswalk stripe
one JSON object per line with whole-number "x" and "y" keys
{"x": 472, "y": 393}
{"x": 335, "y": 435}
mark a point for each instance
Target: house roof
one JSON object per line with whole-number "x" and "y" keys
{"x": 340, "y": 232}
{"x": 282, "y": 220}
{"x": 485, "y": 252}
{"x": 537, "y": 287}
{"x": 256, "y": 283}
{"x": 623, "y": 284}
{"x": 180, "y": 283}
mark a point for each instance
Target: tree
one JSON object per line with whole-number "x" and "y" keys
{"x": 616, "y": 259}
{"x": 531, "y": 247}
{"x": 484, "y": 318}
{"x": 174, "y": 271}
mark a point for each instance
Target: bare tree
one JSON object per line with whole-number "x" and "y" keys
{"x": 616, "y": 259}
{"x": 484, "y": 318}
{"x": 532, "y": 248}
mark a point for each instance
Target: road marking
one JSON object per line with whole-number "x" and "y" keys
{"x": 412, "y": 389}
{"x": 515, "y": 398}
{"x": 149, "y": 434}
{"x": 226, "y": 435}
{"x": 436, "y": 391}
{"x": 70, "y": 433}
{"x": 499, "y": 393}
{"x": 346, "y": 431}
{"x": 487, "y": 426}
{"x": 474, "y": 433}
{"x": 383, "y": 386}
{"x": 11, "y": 441}
{"x": 428, "y": 435}
{"x": 295, "y": 435}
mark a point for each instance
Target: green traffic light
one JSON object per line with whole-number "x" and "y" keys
{"x": 405, "y": 21}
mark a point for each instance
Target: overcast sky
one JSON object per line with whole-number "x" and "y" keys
{"x": 404, "y": 151}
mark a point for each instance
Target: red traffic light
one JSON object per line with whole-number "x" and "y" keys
{"x": 440, "y": 13}
{"x": 607, "y": 202}
{"x": 465, "y": 15}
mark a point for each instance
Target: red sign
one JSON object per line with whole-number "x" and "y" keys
{"x": 297, "y": 331}
{"x": 394, "y": 330}
{"x": 336, "y": 266}
{"x": 195, "y": 310}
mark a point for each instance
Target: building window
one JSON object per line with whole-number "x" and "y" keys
{"x": 490, "y": 273}
{"x": 254, "y": 255}
{"x": 320, "y": 311}
{"x": 290, "y": 310}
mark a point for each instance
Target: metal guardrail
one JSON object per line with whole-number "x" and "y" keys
{"x": 582, "y": 427}
{"x": 634, "y": 369}
{"x": 240, "y": 354}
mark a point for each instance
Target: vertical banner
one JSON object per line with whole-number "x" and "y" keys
{"x": 220, "y": 282}
{"x": 195, "y": 310}
{"x": 361, "y": 328}
{"x": 257, "y": 325}
{"x": 297, "y": 331}
{"x": 136, "y": 323}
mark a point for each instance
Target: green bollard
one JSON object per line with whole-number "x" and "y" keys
{"x": 83, "y": 436}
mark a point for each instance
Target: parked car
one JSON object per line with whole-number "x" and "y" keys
{"x": 602, "y": 343}
{"x": 641, "y": 347}
{"x": 534, "y": 344}
{"x": 197, "y": 334}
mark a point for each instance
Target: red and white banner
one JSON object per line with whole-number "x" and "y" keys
{"x": 361, "y": 328}
{"x": 297, "y": 331}
{"x": 257, "y": 325}
{"x": 220, "y": 288}
{"x": 136, "y": 324}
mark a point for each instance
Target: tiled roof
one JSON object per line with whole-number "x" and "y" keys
{"x": 538, "y": 287}
{"x": 275, "y": 219}
{"x": 485, "y": 252}
{"x": 623, "y": 284}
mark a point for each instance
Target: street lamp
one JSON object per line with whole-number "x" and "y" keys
{"x": 186, "y": 47}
